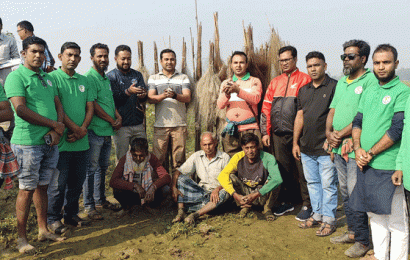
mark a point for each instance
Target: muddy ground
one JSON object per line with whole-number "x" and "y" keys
{"x": 148, "y": 234}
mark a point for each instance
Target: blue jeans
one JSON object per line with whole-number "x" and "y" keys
{"x": 357, "y": 222}
{"x": 66, "y": 186}
{"x": 37, "y": 164}
{"x": 320, "y": 174}
{"x": 97, "y": 165}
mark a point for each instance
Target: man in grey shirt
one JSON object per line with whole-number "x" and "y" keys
{"x": 8, "y": 51}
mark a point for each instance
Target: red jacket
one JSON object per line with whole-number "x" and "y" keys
{"x": 279, "y": 106}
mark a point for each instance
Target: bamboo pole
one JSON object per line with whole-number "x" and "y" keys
{"x": 140, "y": 54}
{"x": 156, "y": 67}
{"x": 183, "y": 63}
{"x": 217, "y": 54}
{"x": 193, "y": 54}
{"x": 198, "y": 75}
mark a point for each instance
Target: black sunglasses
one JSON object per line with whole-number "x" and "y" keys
{"x": 350, "y": 56}
{"x": 43, "y": 82}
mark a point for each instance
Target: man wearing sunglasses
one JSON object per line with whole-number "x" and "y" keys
{"x": 38, "y": 117}
{"x": 343, "y": 109}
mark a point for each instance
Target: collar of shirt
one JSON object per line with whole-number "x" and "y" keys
{"x": 65, "y": 75}
{"x": 359, "y": 78}
{"x": 2, "y": 37}
{"x": 244, "y": 78}
{"x": 324, "y": 83}
{"x": 391, "y": 83}
{"x": 96, "y": 74}
{"x": 218, "y": 155}
{"x": 30, "y": 73}
{"x": 175, "y": 73}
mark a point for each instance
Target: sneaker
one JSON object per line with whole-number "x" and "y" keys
{"x": 108, "y": 205}
{"x": 57, "y": 227}
{"x": 342, "y": 239}
{"x": 304, "y": 213}
{"x": 76, "y": 221}
{"x": 357, "y": 250}
{"x": 284, "y": 208}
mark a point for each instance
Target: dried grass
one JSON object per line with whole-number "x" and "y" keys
{"x": 141, "y": 68}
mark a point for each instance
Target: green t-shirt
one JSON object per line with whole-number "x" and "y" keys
{"x": 403, "y": 157}
{"x": 346, "y": 101}
{"x": 2, "y": 94}
{"x": 102, "y": 87}
{"x": 378, "y": 106}
{"x": 39, "y": 95}
{"x": 74, "y": 93}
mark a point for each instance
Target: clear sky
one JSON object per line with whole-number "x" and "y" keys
{"x": 308, "y": 25}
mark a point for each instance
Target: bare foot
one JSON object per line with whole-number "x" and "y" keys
{"x": 23, "y": 246}
{"x": 50, "y": 236}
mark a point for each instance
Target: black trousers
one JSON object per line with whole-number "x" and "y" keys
{"x": 127, "y": 198}
{"x": 294, "y": 187}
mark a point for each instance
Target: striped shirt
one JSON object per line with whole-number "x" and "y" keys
{"x": 169, "y": 112}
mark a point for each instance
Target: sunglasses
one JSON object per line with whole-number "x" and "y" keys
{"x": 43, "y": 82}
{"x": 350, "y": 56}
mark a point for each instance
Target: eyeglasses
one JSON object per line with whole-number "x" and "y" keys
{"x": 350, "y": 56}
{"x": 20, "y": 30}
{"x": 285, "y": 60}
{"x": 43, "y": 82}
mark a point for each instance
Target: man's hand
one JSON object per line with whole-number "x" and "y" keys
{"x": 334, "y": 139}
{"x": 80, "y": 133}
{"x": 176, "y": 193}
{"x": 71, "y": 138}
{"x": 215, "y": 195}
{"x": 140, "y": 190}
{"x": 251, "y": 197}
{"x": 397, "y": 178}
{"x": 55, "y": 138}
{"x": 234, "y": 88}
{"x": 266, "y": 140}
{"x": 59, "y": 128}
{"x": 362, "y": 158}
{"x": 150, "y": 194}
{"x": 296, "y": 151}
{"x": 117, "y": 123}
{"x": 240, "y": 200}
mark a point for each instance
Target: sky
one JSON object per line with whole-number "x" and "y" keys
{"x": 308, "y": 25}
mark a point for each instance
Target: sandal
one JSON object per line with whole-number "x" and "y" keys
{"x": 309, "y": 223}
{"x": 269, "y": 216}
{"x": 326, "y": 229}
{"x": 94, "y": 215}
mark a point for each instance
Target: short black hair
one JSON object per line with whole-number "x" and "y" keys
{"x": 248, "y": 138}
{"x": 241, "y": 53}
{"x": 122, "y": 48}
{"x": 98, "y": 46}
{"x": 386, "y": 47}
{"x": 315, "y": 54}
{"x": 167, "y": 51}
{"x": 33, "y": 40}
{"x": 1, "y": 22}
{"x": 139, "y": 144}
{"x": 288, "y": 48}
{"x": 70, "y": 45}
{"x": 26, "y": 25}
{"x": 364, "y": 47}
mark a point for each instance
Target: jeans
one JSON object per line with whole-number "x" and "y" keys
{"x": 37, "y": 164}
{"x": 97, "y": 165}
{"x": 321, "y": 180}
{"x": 347, "y": 175}
{"x": 66, "y": 185}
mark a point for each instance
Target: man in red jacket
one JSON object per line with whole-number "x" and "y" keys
{"x": 277, "y": 119}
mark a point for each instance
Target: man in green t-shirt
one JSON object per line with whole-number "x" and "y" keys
{"x": 343, "y": 108}
{"x": 377, "y": 131}
{"x": 77, "y": 99}
{"x": 38, "y": 117}
{"x": 106, "y": 119}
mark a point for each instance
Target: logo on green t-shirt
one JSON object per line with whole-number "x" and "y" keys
{"x": 386, "y": 100}
{"x": 81, "y": 88}
{"x": 358, "y": 90}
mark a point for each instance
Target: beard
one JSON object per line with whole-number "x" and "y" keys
{"x": 99, "y": 69}
{"x": 387, "y": 78}
{"x": 121, "y": 68}
{"x": 349, "y": 70}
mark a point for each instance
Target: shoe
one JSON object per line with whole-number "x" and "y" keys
{"x": 57, "y": 227}
{"x": 357, "y": 250}
{"x": 108, "y": 205}
{"x": 282, "y": 209}
{"x": 93, "y": 214}
{"x": 76, "y": 221}
{"x": 342, "y": 239}
{"x": 304, "y": 214}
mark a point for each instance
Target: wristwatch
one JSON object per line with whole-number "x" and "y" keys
{"x": 370, "y": 152}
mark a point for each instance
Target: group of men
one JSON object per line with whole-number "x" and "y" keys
{"x": 317, "y": 132}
